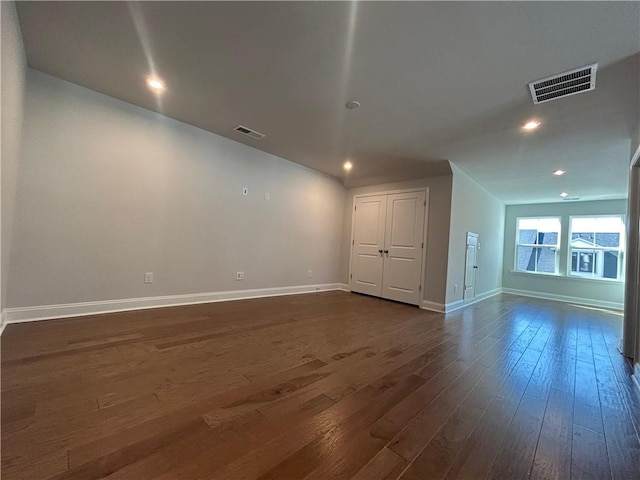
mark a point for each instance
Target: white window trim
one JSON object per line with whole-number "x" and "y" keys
{"x": 557, "y": 247}
{"x": 572, "y": 278}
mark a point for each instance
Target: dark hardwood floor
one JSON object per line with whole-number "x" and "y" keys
{"x": 323, "y": 386}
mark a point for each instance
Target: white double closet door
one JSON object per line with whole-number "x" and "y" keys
{"x": 387, "y": 255}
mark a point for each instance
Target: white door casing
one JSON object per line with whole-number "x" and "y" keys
{"x": 471, "y": 266}
{"x": 404, "y": 234}
{"x": 368, "y": 244}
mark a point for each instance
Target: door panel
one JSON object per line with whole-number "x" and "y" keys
{"x": 403, "y": 227}
{"x": 470, "y": 267}
{"x": 367, "y": 262}
{"x": 404, "y": 235}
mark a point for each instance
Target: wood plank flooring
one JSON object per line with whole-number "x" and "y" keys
{"x": 322, "y": 386}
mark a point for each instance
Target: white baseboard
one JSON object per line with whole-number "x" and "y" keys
{"x": 344, "y": 287}
{"x": 453, "y": 306}
{"x": 433, "y": 306}
{"x": 3, "y": 321}
{"x": 450, "y": 307}
{"x": 636, "y": 375}
{"x": 563, "y": 298}
{"x": 49, "y": 312}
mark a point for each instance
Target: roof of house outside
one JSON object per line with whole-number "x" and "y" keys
{"x": 595, "y": 240}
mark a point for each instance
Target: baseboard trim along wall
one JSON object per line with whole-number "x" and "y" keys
{"x": 636, "y": 375}
{"x": 450, "y": 307}
{"x": 50, "y": 312}
{"x": 433, "y": 306}
{"x": 562, "y": 298}
{"x": 453, "y": 306}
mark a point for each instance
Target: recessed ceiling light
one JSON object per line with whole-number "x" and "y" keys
{"x": 559, "y": 172}
{"x": 352, "y": 104}
{"x": 347, "y": 165}
{"x": 564, "y": 194}
{"x": 531, "y": 125}
{"x": 155, "y": 84}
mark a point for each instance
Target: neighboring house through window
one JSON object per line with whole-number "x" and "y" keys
{"x": 538, "y": 242}
{"x": 597, "y": 247}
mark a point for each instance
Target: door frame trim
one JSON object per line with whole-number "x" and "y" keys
{"x": 630, "y": 342}
{"x": 425, "y": 229}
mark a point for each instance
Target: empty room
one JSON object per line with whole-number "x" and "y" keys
{"x": 320, "y": 240}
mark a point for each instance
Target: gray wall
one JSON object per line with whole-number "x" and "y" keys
{"x": 437, "y": 231}
{"x": 473, "y": 209}
{"x": 572, "y": 287}
{"x": 12, "y": 98}
{"x": 109, "y": 191}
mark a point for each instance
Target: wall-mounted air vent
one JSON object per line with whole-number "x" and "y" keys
{"x": 564, "y": 84}
{"x": 249, "y": 133}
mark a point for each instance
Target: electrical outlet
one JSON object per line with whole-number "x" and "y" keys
{"x": 245, "y": 191}
{"x": 239, "y": 275}
{"x": 267, "y": 196}
{"x": 455, "y": 288}
{"x": 148, "y": 277}
{"x": 310, "y": 274}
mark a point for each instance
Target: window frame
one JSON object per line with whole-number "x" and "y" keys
{"x": 621, "y": 249}
{"x": 557, "y": 247}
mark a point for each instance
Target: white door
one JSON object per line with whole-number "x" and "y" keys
{"x": 471, "y": 267}
{"x": 403, "y": 246}
{"x": 368, "y": 244}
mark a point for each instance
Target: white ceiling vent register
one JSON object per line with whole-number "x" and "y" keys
{"x": 249, "y": 133}
{"x": 564, "y": 84}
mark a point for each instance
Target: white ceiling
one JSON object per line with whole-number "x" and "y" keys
{"x": 437, "y": 81}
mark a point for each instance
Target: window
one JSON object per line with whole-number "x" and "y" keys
{"x": 597, "y": 247}
{"x": 538, "y": 242}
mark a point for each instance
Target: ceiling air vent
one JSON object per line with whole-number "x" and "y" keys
{"x": 249, "y": 133}
{"x": 564, "y": 84}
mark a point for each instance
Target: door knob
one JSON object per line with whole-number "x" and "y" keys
{"x": 380, "y": 251}
{"x": 386, "y": 251}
